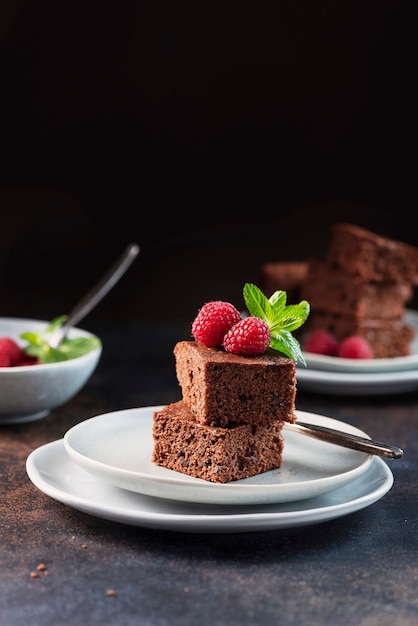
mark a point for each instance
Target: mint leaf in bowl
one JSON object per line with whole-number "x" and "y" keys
{"x": 39, "y": 347}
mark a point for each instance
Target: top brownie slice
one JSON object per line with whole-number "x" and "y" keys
{"x": 372, "y": 257}
{"x": 222, "y": 388}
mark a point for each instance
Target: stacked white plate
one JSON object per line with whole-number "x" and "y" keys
{"x": 334, "y": 375}
{"x": 103, "y": 467}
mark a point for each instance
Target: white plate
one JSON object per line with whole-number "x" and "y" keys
{"x": 117, "y": 447}
{"x": 53, "y": 472}
{"x": 362, "y": 366}
{"x": 384, "y": 383}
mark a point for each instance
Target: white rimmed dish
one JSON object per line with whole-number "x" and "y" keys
{"x": 117, "y": 447}
{"x": 54, "y": 473}
{"x": 354, "y": 383}
{"x": 369, "y": 366}
{"x": 30, "y": 392}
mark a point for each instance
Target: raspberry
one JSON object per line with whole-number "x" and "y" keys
{"x": 355, "y": 347}
{"x": 29, "y": 360}
{"x": 250, "y": 336}
{"x": 4, "y": 360}
{"x": 321, "y": 342}
{"x": 213, "y": 322}
{"x": 10, "y": 353}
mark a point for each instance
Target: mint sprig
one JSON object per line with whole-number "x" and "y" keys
{"x": 39, "y": 347}
{"x": 281, "y": 319}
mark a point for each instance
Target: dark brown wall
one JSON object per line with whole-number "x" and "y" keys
{"x": 216, "y": 136}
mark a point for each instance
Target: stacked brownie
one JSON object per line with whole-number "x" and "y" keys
{"x": 285, "y": 276}
{"x": 361, "y": 288}
{"x": 228, "y": 424}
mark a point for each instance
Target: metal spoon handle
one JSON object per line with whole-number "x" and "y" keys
{"x": 346, "y": 440}
{"x": 93, "y": 297}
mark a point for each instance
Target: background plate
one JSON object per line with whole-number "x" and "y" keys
{"x": 395, "y": 364}
{"x": 385, "y": 383}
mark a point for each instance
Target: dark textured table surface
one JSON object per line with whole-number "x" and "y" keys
{"x": 360, "y": 570}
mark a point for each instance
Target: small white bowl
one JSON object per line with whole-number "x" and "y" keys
{"x": 30, "y": 392}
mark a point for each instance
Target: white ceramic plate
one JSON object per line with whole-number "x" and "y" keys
{"x": 117, "y": 447}
{"x": 54, "y": 473}
{"x": 362, "y": 366}
{"x": 384, "y": 383}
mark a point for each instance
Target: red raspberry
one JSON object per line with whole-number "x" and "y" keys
{"x": 4, "y": 360}
{"x": 213, "y": 322}
{"x": 11, "y": 353}
{"x": 321, "y": 342}
{"x": 29, "y": 360}
{"x": 250, "y": 336}
{"x": 355, "y": 347}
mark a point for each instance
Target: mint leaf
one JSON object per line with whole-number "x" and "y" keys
{"x": 285, "y": 342}
{"x": 291, "y": 317}
{"x": 56, "y": 323}
{"x": 258, "y": 305}
{"x": 281, "y": 319}
{"x": 39, "y": 347}
{"x": 73, "y": 348}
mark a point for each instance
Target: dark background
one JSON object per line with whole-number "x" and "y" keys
{"x": 217, "y": 136}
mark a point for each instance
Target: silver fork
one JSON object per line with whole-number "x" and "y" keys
{"x": 97, "y": 293}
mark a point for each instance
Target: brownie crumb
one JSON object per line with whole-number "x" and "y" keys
{"x": 111, "y": 592}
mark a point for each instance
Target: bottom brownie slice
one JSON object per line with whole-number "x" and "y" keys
{"x": 213, "y": 453}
